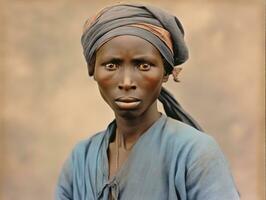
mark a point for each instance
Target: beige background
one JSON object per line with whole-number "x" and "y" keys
{"x": 48, "y": 102}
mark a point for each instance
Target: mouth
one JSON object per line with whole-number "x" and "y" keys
{"x": 127, "y": 102}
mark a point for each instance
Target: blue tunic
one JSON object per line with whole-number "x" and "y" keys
{"x": 171, "y": 160}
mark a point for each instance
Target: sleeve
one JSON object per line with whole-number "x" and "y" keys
{"x": 64, "y": 188}
{"x": 208, "y": 175}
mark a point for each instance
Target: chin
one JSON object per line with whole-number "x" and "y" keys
{"x": 128, "y": 114}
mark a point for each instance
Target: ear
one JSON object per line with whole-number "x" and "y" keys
{"x": 91, "y": 65}
{"x": 165, "y": 78}
{"x": 94, "y": 77}
{"x": 175, "y": 72}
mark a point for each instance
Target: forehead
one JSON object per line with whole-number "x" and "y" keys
{"x": 128, "y": 45}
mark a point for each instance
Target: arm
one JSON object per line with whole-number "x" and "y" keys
{"x": 64, "y": 186}
{"x": 208, "y": 176}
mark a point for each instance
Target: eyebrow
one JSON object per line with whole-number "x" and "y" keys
{"x": 107, "y": 60}
{"x": 143, "y": 60}
{"x": 136, "y": 58}
{"x": 152, "y": 60}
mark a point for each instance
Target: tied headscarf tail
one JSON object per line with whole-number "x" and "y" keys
{"x": 174, "y": 110}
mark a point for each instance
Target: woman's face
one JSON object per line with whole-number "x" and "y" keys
{"x": 129, "y": 72}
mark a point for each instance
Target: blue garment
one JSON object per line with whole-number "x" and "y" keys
{"x": 171, "y": 160}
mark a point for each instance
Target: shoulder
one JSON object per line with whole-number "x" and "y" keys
{"x": 74, "y": 165}
{"x": 92, "y": 142}
{"x": 198, "y": 155}
{"x": 181, "y": 132}
{"x": 192, "y": 143}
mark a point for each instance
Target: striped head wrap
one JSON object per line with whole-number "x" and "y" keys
{"x": 158, "y": 27}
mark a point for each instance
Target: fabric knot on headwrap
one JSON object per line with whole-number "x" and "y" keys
{"x": 158, "y": 27}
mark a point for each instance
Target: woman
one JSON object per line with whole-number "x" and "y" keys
{"x": 131, "y": 50}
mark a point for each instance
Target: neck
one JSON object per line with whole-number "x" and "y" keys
{"x": 130, "y": 129}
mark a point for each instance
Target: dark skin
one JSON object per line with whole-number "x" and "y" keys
{"x": 130, "y": 73}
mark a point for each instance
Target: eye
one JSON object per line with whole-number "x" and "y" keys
{"x": 144, "y": 67}
{"x": 111, "y": 66}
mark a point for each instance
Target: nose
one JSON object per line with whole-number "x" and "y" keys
{"x": 127, "y": 82}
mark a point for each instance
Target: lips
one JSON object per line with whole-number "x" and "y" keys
{"x": 127, "y": 102}
{"x": 127, "y": 99}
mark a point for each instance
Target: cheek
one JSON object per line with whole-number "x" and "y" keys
{"x": 100, "y": 75}
{"x": 104, "y": 88}
{"x": 105, "y": 92}
{"x": 103, "y": 78}
{"x": 152, "y": 81}
{"x": 105, "y": 83}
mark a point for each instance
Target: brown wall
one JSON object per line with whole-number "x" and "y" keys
{"x": 48, "y": 102}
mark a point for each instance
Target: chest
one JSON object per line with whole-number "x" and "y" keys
{"x": 117, "y": 156}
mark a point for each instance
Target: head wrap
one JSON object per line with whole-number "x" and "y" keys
{"x": 124, "y": 19}
{"x": 157, "y": 26}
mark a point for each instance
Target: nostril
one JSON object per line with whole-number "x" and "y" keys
{"x": 127, "y": 82}
{"x": 127, "y": 87}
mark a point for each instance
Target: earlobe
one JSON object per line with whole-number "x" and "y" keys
{"x": 165, "y": 78}
{"x": 175, "y": 72}
{"x": 94, "y": 77}
{"x": 94, "y": 74}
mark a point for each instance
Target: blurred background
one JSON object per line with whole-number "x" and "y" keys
{"x": 48, "y": 103}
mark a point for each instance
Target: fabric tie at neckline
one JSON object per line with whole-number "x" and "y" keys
{"x": 113, "y": 185}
